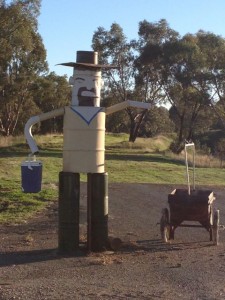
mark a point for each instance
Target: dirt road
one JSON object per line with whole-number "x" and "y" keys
{"x": 190, "y": 267}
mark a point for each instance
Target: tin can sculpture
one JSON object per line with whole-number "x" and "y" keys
{"x": 83, "y": 152}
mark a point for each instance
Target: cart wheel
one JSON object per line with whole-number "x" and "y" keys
{"x": 164, "y": 225}
{"x": 215, "y": 227}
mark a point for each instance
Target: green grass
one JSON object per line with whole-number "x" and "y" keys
{"x": 145, "y": 161}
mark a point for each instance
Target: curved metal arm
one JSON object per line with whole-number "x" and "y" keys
{"x": 125, "y": 104}
{"x": 34, "y": 120}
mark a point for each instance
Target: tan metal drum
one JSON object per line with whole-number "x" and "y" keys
{"x": 84, "y": 140}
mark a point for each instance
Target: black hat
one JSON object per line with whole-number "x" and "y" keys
{"x": 87, "y": 59}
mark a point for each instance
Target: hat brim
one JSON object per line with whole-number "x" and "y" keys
{"x": 86, "y": 65}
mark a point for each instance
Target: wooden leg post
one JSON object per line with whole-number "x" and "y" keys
{"x": 97, "y": 211}
{"x": 69, "y": 198}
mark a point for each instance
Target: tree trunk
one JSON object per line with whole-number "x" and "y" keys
{"x": 136, "y": 122}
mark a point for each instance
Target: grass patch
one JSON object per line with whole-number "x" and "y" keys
{"x": 145, "y": 161}
{"x": 16, "y": 206}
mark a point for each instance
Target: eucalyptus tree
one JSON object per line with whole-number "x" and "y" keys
{"x": 22, "y": 59}
{"x": 159, "y": 68}
{"x": 191, "y": 77}
{"x": 157, "y": 122}
{"x": 133, "y": 79}
{"x": 51, "y": 92}
{"x": 194, "y": 81}
{"x": 149, "y": 65}
{"x": 187, "y": 73}
{"x": 211, "y": 81}
{"x": 182, "y": 59}
{"x": 114, "y": 48}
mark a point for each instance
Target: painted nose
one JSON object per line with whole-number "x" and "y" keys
{"x": 89, "y": 85}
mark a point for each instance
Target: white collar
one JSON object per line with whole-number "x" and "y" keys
{"x": 86, "y": 113}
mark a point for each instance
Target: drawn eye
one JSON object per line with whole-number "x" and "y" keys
{"x": 79, "y": 80}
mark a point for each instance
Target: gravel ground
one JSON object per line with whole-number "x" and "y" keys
{"x": 190, "y": 267}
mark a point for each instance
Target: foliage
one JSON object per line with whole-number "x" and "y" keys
{"x": 162, "y": 67}
{"x": 194, "y": 81}
{"x": 157, "y": 121}
{"x": 22, "y": 59}
{"x": 24, "y": 85}
{"x": 185, "y": 73}
{"x": 51, "y": 92}
{"x": 149, "y": 74}
{"x": 189, "y": 72}
{"x": 116, "y": 122}
{"x": 220, "y": 150}
{"x": 114, "y": 48}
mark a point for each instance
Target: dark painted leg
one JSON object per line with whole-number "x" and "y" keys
{"x": 97, "y": 211}
{"x": 69, "y": 197}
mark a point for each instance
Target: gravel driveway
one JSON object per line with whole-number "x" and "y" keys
{"x": 190, "y": 267}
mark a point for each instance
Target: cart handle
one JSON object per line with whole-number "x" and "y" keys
{"x": 189, "y": 145}
{"x": 187, "y": 170}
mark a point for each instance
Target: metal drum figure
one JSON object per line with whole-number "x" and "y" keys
{"x": 83, "y": 152}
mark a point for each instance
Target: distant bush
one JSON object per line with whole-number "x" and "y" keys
{"x": 220, "y": 150}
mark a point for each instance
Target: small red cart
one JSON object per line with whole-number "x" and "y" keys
{"x": 190, "y": 205}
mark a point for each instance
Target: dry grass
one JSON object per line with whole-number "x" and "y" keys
{"x": 49, "y": 139}
{"x": 201, "y": 160}
{"x": 158, "y": 144}
{"x": 29, "y": 239}
{"x": 7, "y": 141}
{"x": 150, "y": 145}
{"x": 105, "y": 258}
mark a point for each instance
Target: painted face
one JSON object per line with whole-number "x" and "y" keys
{"x": 86, "y": 87}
